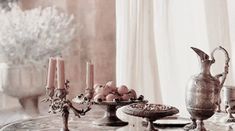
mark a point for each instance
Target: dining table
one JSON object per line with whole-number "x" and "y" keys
{"x": 53, "y": 122}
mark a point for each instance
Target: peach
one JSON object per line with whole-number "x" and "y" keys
{"x": 132, "y": 94}
{"x": 111, "y": 97}
{"x": 97, "y": 86}
{"x": 110, "y": 84}
{"x": 126, "y": 97}
{"x": 123, "y": 90}
{"x": 99, "y": 89}
{"x": 99, "y": 98}
{"x": 107, "y": 90}
{"x": 114, "y": 89}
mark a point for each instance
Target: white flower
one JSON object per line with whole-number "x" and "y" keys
{"x": 31, "y": 36}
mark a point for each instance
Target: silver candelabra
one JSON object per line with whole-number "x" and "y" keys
{"x": 59, "y": 103}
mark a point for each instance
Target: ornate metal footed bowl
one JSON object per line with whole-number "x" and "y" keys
{"x": 151, "y": 112}
{"x": 109, "y": 118}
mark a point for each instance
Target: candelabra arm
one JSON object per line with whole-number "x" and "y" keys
{"x": 77, "y": 112}
{"x": 59, "y": 103}
{"x": 49, "y": 93}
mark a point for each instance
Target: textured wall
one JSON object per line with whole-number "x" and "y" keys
{"x": 95, "y": 41}
{"x": 97, "y": 37}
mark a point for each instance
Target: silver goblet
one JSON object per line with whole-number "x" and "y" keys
{"x": 229, "y": 100}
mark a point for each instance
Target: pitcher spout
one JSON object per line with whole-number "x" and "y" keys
{"x": 204, "y": 59}
{"x": 202, "y": 55}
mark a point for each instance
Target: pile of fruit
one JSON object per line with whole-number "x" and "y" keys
{"x": 109, "y": 92}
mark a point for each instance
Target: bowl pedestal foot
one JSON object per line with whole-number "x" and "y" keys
{"x": 150, "y": 126}
{"x": 110, "y": 118}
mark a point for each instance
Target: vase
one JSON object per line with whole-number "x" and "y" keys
{"x": 203, "y": 90}
{"x": 24, "y": 82}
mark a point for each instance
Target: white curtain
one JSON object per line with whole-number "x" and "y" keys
{"x": 136, "y": 56}
{"x": 154, "y": 39}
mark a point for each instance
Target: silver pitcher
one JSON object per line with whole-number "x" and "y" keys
{"x": 203, "y": 90}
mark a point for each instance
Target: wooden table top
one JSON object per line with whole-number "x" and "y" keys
{"x": 54, "y": 123}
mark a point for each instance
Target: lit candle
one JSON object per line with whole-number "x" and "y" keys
{"x": 89, "y": 76}
{"x": 51, "y": 73}
{"x": 60, "y": 73}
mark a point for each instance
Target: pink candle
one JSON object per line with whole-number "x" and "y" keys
{"x": 89, "y": 75}
{"x": 51, "y": 73}
{"x": 60, "y": 73}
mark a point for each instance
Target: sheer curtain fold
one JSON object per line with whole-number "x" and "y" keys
{"x": 231, "y": 21}
{"x": 154, "y": 39}
{"x": 218, "y": 32}
{"x": 136, "y": 48}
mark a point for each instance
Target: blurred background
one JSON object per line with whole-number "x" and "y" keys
{"x": 94, "y": 42}
{"x": 142, "y": 44}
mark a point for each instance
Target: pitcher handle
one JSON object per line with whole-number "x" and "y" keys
{"x": 224, "y": 74}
